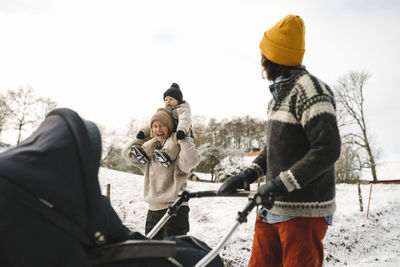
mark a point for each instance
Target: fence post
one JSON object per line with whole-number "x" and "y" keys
{"x": 108, "y": 191}
{"x": 369, "y": 199}
{"x": 360, "y": 201}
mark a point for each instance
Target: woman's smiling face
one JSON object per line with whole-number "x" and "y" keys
{"x": 160, "y": 130}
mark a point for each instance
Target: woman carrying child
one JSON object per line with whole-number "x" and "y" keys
{"x": 182, "y": 117}
{"x": 163, "y": 183}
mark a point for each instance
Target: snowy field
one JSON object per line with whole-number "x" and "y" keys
{"x": 353, "y": 239}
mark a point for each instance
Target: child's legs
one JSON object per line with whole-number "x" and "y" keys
{"x": 171, "y": 147}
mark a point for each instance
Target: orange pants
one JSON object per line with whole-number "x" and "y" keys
{"x": 293, "y": 243}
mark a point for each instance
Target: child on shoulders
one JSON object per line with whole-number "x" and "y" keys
{"x": 181, "y": 112}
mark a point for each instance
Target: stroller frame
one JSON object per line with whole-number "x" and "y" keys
{"x": 254, "y": 200}
{"x": 185, "y": 196}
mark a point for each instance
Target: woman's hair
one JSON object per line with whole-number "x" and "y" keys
{"x": 274, "y": 70}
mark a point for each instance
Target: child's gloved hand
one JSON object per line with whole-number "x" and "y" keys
{"x": 180, "y": 135}
{"x": 140, "y": 135}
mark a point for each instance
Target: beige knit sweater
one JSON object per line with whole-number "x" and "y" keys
{"x": 163, "y": 184}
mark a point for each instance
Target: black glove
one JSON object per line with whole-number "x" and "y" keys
{"x": 270, "y": 190}
{"x": 273, "y": 187}
{"x": 140, "y": 135}
{"x": 180, "y": 135}
{"x": 239, "y": 181}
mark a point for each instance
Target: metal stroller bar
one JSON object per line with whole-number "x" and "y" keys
{"x": 132, "y": 249}
{"x": 254, "y": 199}
{"x": 257, "y": 199}
{"x": 184, "y": 197}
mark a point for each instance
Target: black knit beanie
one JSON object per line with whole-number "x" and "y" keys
{"x": 95, "y": 139}
{"x": 175, "y": 92}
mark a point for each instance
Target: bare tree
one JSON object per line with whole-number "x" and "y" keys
{"x": 43, "y": 106}
{"x": 235, "y": 132}
{"x": 213, "y": 130}
{"x": 132, "y": 129}
{"x": 22, "y": 104}
{"x": 254, "y": 131}
{"x": 109, "y": 143}
{"x": 211, "y": 155}
{"x": 201, "y": 136}
{"x": 347, "y": 166}
{"x": 351, "y": 103}
{"x": 4, "y": 112}
{"x": 26, "y": 109}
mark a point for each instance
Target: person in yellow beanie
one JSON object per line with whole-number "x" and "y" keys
{"x": 303, "y": 144}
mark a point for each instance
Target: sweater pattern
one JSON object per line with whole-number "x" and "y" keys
{"x": 303, "y": 144}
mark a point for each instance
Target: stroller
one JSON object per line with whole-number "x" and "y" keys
{"x": 52, "y": 212}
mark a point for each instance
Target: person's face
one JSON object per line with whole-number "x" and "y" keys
{"x": 160, "y": 130}
{"x": 170, "y": 101}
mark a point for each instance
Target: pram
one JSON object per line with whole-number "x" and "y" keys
{"x": 52, "y": 212}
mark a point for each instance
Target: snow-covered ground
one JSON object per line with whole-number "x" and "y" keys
{"x": 353, "y": 239}
{"x": 4, "y": 147}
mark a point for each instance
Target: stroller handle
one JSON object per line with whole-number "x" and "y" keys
{"x": 184, "y": 197}
{"x": 254, "y": 199}
{"x": 212, "y": 193}
{"x": 257, "y": 199}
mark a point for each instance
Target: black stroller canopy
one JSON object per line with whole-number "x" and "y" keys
{"x": 56, "y": 164}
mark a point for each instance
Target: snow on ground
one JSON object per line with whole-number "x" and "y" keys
{"x": 353, "y": 239}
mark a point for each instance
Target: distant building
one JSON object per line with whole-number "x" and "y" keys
{"x": 387, "y": 173}
{"x": 253, "y": 153}
{"x": 195, "y": 177}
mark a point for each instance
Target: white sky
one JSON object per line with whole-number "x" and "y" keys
{"x": 111, "y": 60}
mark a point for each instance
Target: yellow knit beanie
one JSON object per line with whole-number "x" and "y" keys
{"x": 284, "y": 42}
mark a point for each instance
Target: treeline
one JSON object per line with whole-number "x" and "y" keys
{"x": 216, "y": 140}
{"x": 22, "y": 110}
{"x": 222, "y": 143}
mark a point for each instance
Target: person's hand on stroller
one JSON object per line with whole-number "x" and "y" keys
{"x": 270, "y": 190}
{"x": 273, "y": 187}
{"x": 239, "y": 181}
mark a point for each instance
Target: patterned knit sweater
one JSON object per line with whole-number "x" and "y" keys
{"x": 303, "y": 143}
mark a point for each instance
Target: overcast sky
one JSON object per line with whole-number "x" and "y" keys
{"x": 112, "y": 60}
